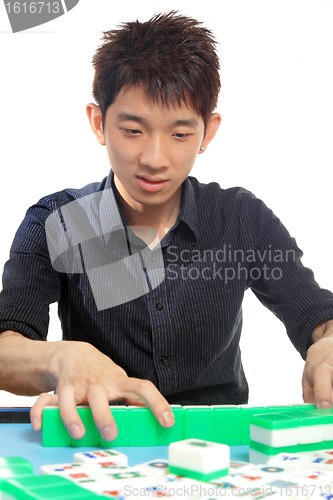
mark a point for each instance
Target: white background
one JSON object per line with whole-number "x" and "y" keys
{"x": 275, "y": 140}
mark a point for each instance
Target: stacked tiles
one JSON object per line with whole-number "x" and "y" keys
{"x": 290, "y": 432}
{"x": 199, "y": 459}
{"x": 226, "y": 424}
{"x": 101, "y": 474}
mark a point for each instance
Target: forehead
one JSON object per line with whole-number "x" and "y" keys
{"x": 134, "y": 101}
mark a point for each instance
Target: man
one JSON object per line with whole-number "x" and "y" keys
{"x": 149, "y": 267}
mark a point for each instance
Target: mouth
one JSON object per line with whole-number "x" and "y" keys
{"x": 148, "y": 183}
{"x": 152, "y": 180}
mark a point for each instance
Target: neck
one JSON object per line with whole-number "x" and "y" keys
{"x": 159, "y": 217}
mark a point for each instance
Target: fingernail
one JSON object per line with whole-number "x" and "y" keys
{"x": 324, "y": 404}
{"x": 109, "y": 433}
{"x": 75, "y": 431}
{"x": 36, "y": 423}
{"x": 167, "y": 419}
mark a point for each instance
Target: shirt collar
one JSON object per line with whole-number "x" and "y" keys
{"x": 110, "y": 215}
{"x": 189, "y": 209}
{"x": 112, "y": 219}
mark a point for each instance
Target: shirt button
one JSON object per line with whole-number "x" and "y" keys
{"x": 153, "y": 259}
{"x": 163, "y": 360}
{"x": 194, "y": 243}
{"x": 158, "y": 307}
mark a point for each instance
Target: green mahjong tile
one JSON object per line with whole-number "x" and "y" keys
{"x": 326, "y": 445}
{"x": 304, "y": 406}
{"x": 279, "y": 408}
{"x": 142, "y": 427}
{"x": 275, "y": 421}
{"x": 198, "y": 422}
{"x": 92, "y": 436}
{"x": 14, "y": 471}
{"x": 199, "y": 476}
{"x": 311, "y": 447}
{"x": 41, "y": 489}
{"x": 246, "y": 412}
{"x": 269, "y": 450}
{"x": 226, "y": 425}
{"x": 165, "y": 436}
{"x": 305, "y": 418}
{"x": 15, "y": 461}
{"x": 120, "y": 414}
{"x": 326, "y": 414}
{"x": 36, "y": 482}
{"x": 54, "y": 431}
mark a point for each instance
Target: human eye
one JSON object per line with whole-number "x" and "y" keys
{"x": 180, "y": 136}
{"x": 131, "y": 131}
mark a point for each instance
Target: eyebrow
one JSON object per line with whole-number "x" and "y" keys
{"x": 123, "y": 116}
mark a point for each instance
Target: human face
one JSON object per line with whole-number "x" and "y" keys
{"x": 151, "y": 147}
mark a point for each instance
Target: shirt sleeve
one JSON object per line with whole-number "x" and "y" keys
{"x": 279, "y": 279}
{"x": 30, "y": 283}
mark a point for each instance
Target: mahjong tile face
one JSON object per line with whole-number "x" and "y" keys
{"x": 113, "y": 457}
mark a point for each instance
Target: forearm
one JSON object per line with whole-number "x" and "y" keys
{"x": 323, "y": 330}
{"x": 25, "y": 364}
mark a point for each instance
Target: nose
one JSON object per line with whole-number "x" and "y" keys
{"x": 155, "y": 154}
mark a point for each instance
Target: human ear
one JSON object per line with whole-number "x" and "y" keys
{"x": 211, "y": 129}
{"x": 95, "y": 119}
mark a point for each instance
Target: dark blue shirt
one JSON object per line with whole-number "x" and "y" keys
{"x": 182, "y": 330}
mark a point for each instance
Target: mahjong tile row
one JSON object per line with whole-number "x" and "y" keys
{"x": 106, "y": 473}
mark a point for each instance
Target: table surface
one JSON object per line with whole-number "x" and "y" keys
{"x": 19, "y": 440}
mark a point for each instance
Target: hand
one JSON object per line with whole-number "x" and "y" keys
{"x": 318, "y": 371}
{"x": 83, "y": 375}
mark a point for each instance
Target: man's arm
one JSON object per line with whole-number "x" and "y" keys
{"x": 318, "y": 371}
{"x": 80, "y": 374}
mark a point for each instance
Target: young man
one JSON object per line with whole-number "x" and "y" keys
{"x": 149, "y": 267}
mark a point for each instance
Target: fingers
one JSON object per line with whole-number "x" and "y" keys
{"x": 99, "y": 403}
{"x": 68, "y": 412}
{"x": 147, "y": 392}
{"x": 308, "y": 392}
{"x": 322, "y": 386}
{"x": 36, "y": 412}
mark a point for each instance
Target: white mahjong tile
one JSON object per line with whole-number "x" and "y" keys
{"x": 288, "y": 489}
{"x": 252, "y": 479}
{"x": 310, "y": 434}
{"x": 124, "y": 479}
{"x": 199, "y": 455}
{"x": 226, "y": 488}
{"x": 260, "y": 492}
{"x": 161, "y": 490}
{"x": 157, "y": 468}
{"x": 324, "y": 453}
{"x": 236, "y": 466}
{"x": 314, "y": 476}
{"x": 257, "y": 457}
{"x": 113, "y": 457}
{"x": 322, "y": 493}
{"x": 274, "y": 437}
{"x": 110, "y": 466}
{"x": 183, "y": 482}
{"x": 106, "y": 471}
{"x": 87, "y": 480}
{"x": 290, "y": 459}
{"x": 184, "y": 488}
{"x": 278, "y": 471}
{"x": 63, "y": 469}
{"x": 115, "y": 494}
{"x": 321, "y": 463}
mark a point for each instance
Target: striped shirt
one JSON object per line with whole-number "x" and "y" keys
{"x": 181, "y": 326}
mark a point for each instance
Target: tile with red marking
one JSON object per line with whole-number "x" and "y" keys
{"x": 314, "y": 476}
